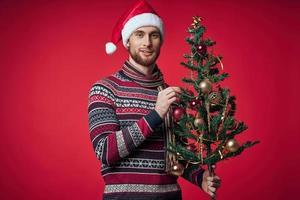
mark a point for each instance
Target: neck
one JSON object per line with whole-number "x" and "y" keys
{"x": 146, "y": 70}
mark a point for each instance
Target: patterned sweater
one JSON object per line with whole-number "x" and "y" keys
{"x": 129, "y": 139}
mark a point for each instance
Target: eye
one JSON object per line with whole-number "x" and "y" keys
{"x": 139, "y": 34}
{"x": 155, "y": 35}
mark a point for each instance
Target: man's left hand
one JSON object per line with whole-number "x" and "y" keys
{"x": 210, "y": 184}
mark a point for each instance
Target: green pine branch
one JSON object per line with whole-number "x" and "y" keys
{"x": 189, "y": 66}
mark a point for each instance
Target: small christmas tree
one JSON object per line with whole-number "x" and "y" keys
{"x": 204, "y": 127}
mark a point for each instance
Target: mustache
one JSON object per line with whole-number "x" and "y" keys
{"x": 150, "y": 50}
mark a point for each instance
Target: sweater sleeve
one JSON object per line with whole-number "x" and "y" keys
{"x": 193, "y": 174}
{"x": 111, "y": 143}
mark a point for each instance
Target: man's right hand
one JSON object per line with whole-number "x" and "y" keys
{"x": 165, "y": 98}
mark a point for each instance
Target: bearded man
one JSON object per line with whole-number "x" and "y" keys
{"x": 127, "y": 111}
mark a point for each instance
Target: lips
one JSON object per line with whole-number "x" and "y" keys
{"x": 146, "y": 52}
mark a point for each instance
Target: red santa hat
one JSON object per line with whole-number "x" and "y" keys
{"x": 141, "y": 14}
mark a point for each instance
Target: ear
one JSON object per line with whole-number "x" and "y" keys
{"x": 127, "y": 44}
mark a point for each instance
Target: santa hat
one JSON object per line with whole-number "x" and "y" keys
{"x": 141, "y": 14}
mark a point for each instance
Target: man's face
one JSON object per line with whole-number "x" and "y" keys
{"x": 144, "y": 45}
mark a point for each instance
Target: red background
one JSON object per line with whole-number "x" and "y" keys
{"x": 52, "y": 51}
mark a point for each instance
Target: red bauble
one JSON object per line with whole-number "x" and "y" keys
{"x": 178, "y": 113}
{"x": 194, "y": 103}
{"x": 191, "y": 147}
{"x": 201, "y": 48}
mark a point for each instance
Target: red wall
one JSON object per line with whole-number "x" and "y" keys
{"x": 52, "y": 51}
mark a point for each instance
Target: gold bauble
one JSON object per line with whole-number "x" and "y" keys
{"x": 232, "y": 145}
{"x": 205, "y": 86}
{"x": 198, "y": 122}
{"x": 177, "y": 169}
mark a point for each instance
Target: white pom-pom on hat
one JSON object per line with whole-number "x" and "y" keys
{"x": 110, "y": 48}
{"x": 139, "y": 15}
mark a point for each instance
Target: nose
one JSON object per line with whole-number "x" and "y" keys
{"x": 147, "y": 41}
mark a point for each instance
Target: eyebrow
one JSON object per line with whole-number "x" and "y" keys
{"x": 152, "y": 32}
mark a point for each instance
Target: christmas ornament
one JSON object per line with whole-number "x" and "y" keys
{"x": 198, "y": 122}
{"x": 205, "y": 86}
{"x": 177, "y": 169}
{"x": 196, "y": 21}
{"x": 201, "y": 147}
{"x": 214, "y": 98}
{"x": 201, "y": 49}
{"x": 232, "y": 145}
{"x": 222, "y": 66}
{"x": 191, "y": 147}
{"x": 178, "y": 113}
{"x": 194, "y": 103}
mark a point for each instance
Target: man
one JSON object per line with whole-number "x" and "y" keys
{"x": 126, "y": 116}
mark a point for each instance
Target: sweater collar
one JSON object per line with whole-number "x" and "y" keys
{"x": 153, "y": 80}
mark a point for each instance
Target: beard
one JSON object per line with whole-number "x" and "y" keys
{"x": 144, "y": 61}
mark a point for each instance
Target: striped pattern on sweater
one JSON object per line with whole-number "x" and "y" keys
{"x": 128, "y": 138}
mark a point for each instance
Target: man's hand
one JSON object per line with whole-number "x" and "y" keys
{"x": 165, "y": 98}
{"x": 210, "y": 184}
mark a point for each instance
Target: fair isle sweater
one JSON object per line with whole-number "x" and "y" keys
{"x": 128, "y": 138}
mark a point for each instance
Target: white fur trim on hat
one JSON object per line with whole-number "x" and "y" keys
{"x": 145, "y": 19}
{"x": 110, "y": 48}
